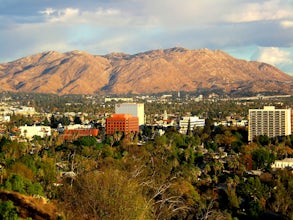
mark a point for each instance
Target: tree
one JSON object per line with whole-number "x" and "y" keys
{"x": 64, "y": 120}
{"x": 281, "y": 201}
{"x": 262, "y": 158}
{"x": 188, "y": 132}
{"x": 8, "y": 210}
{"x": 77, "y": 120}
{"x": 15, "y": 183}
{"x": 254, "y": 195}
{"x": 263, "y": 140}
{"x": 54, "y": 122}
{"x": 22, "y": 185}
{"x": 108, "y": 194}
{"x": 233, "y": 162}
{"x": 217, "y": 167}
{"x": 21, "y": 169}
{"x": 225, "y": 140}
{"x": 86, "y": 141}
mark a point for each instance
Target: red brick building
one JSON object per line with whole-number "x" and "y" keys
{"x": 121, "y": 122}
{"x": 72, "y": 134}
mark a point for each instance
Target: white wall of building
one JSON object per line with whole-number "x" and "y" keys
{"x": 134, "y": 109}
{"x": 25, "y": 110}
{"x": 5, "y": 118}
{"x": 30, "y": 131}
{"x": 281, "y": 164}
{"x": 77, "y": 126}
{"x": 194, "y": 122}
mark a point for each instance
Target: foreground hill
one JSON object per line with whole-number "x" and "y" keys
{"x": 30, "y": 207}
{"x": 156, "y": 71}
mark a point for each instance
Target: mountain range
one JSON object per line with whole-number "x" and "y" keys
{"x": 155, "y": 71}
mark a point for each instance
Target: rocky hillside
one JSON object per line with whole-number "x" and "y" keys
{"x": 176, "y": 69}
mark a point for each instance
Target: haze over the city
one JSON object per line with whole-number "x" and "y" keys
{"x": 247, "y": 29}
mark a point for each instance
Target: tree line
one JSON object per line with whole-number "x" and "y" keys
{"x": 201, "y": 175}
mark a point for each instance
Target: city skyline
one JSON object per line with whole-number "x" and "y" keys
{"x": 245, "y": 29}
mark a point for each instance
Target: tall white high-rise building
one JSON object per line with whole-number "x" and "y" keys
{"x": 134, "y": 109}
{"x": 269, "y": 121}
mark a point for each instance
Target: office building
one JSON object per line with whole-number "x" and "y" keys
{"x": 31, "y": 131}
{"x": 121, "y": 122}
{"x": 194, "y": 121}
{"x": 269, "y": 121}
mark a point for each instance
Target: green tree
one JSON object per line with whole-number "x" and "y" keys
{"x": 188, "y": 132}
{"x": 15, "y": 183}
{"x": 254, "y": 209}
{"x": 254, "y": 194}
{"x": 262, "y": 158}
{"x": 281, "y": 201}
{"x": 77, "y": 120}
{"x": 263, "y": 140}
{"x": 8, "y": 211}
{"x": 22, "y": 185}
{"x": 86, "y": 141}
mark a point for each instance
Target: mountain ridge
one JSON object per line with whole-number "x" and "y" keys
{"x": 154, "y": 71}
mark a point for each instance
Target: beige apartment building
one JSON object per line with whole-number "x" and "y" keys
{"x": 269, "y": 121}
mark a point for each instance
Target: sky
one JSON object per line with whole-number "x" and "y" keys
{"x": 260, "y": 30}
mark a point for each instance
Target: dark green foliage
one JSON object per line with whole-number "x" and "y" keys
{"x": 15, "y": 183}
{"x": 86, "y": 141}
{"x": 254, "y": 195}
{"x": 263, "y": 140}
{"x": 211, "y": 145}
{"x": 262, "y": 158}
{"x": 3, "y": 141}
{"x": 64, "y": 121}
{"x": 19, "y": 184}
{"x": 254, "y": 209}
{"x": 8, "y": 211}
{"x": 54, "y": 122}
{"x": 77, "y": 120}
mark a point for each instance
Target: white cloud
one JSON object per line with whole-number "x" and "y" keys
{"x": 107, "y": 12}
{"x": 48, "y": 11}
{"x": 282, "y": 58}
{"x": 287, "y": 24}
{"x": 273, "y": 55}
{"x": 64, "y": 15}
{"x": 260, "y": 11}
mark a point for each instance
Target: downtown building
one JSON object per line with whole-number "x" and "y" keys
{"x": 269, "y": 121}
{"x": 190, "y": 122}
{"x": 125, "y": 123}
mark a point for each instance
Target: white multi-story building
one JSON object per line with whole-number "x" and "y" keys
{"x": 134, "y": 109}
{"x": 194, "y": 122}
{"x": 25, "y": 110}
{"x": 282, "y": 164}
{"x": 269, "y": 121}
{"x": 30, "y": 131}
